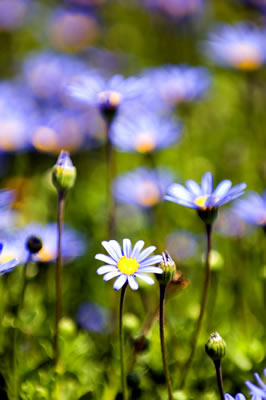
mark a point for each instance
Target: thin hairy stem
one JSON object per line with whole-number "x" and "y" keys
{"x": 162, "y": 338}
{"x": 122, "y": 345}
{"x": 218, "y": 368}
{"x": 60, "y": 215}
{"x": 205, "y": 290}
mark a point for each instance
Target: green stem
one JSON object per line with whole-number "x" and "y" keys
{"x": 162, "y": 338}
{"x": 218, "y": 368}
{"x": 60, "y": 214}
{"x": 206, "y": 285}
{"x": 122, "y": 346}
{"x": 110, "y": 165}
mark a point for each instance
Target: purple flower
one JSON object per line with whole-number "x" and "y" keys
{"x": 258, "y": 392}
{"x": 252, "y": 209}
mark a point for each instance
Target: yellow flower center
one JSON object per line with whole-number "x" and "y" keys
{"x": 201, "y": 201}
{"x": 246, "y": 57}
{"x": 114, "y": 98}
{"x": 145, "y": 142}
{"x": 45, "y": 255}
{"x": 5, "y": 258}
{"x": 148, "y": 194}
{"x": 128, "y": 266}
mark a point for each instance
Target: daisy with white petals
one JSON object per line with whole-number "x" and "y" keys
{"x": 127, "y": 264}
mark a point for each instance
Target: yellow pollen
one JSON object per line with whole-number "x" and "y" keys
{"x": 248, "y": 65}
{"x": 201, "y": 201}
{"x": 45, "y": 255}
{"x": 145, "y": 143}
{"x": 245, "y": 57}
{"x": 128, "y": 266}
{"x": 114, "y": 98}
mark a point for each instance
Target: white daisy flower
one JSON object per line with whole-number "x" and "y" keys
{"x": 127, "y": 264}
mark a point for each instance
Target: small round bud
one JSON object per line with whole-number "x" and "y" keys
{"x": 215, "y": 347}
{"x": 34, "y": 244}
{"x": 169, "y": 269}
{"x": 64, "y": 173}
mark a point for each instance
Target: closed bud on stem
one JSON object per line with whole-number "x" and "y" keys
{"x": 169, "y": 269}
{"x": 34, "y": 244}
{"x": 215, "y": 347}
{"x": 64, "y": 173}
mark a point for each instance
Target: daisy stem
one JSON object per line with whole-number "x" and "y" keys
{"x": 162, "y": 338}
{"x": 110, "y": 174}
{"x": 218, "y": 368}
{"x": 60, "y": 214}
{"x": 206, "y": 285}
{"x": 122, "y": 347}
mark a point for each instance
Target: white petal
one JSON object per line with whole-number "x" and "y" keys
{"x": 145, "y": 278}
{"x": 145, "y": 253}
{"x": 150, "y": 261}
{"x": 127, "y": 247}
{"x": 109, "y": 248}
{"x": 120, "y": 282}
{"x": 154, "y": 270}
{"x": 137, "y": 249}
{"x": 106, "y": 259}
{"x": 106, "y": 268}
{"x": 132, "y": 282}
{"x": 111, "y": 275}
{"x": 116, "y": 246}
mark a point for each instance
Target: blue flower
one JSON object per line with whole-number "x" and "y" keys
{"x": 204, "y": 197}
{"x": 241, "y": 46}
{"x": 252, "y": 209}
{"x": 229, "y": 224}
{"x": 107, "y": 94}
{"x": 127, "y": 264}
{"x": 13, "y": 13}
{"x": 73, "y": 244}
{"x": 258, "y": 392}
{"x": 177, "y": 8}
{"x": 179, "y": 83}
{"x": 93, "y": 318}
{"x": 144, "y": 133}
{"x": 8, "y": 265}
{"x": 17, "y": 118}
{"x": 239, "y": 396}
{"x": 47, "y": 74}
{"x": 142, "y": 187}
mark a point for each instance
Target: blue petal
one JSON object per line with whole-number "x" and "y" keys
{"x": 109, "y": 248}
{"x": 132, "y": 282}
{"x": 193, "y": 187}
{"x": 180, "y": 202}
{"x": 137, "y": 249}
{"x": 222, "y": 188}
{"x": 145, "y": 278}
{"x": 127, "y": 247}
{"x": 207, "y": 183}
{"x": 8, "y": 267}
{"x": 145, "y": 253}
{"x": 178, "y": 192}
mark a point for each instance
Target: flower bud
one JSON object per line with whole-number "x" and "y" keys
{"x": 169, "y": 269}
{"x": 63, "y": 173}
{"x": 34, "y": 244}
{"x": 215, "y": 347}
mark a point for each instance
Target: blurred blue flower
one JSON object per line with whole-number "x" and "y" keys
{"x": 107, "y": 94}
{"x": 252, "y": 209}
{"x": 241, "y": 46}
{"x": 17, "y": 118}
{"x": 144, "y": 133}
{"x": 258, "y": 392}
{"x": 13, "y": 13}
{"x": 93, "y": 318}
{"x": 128, "y": 264}
{"x": 176, "y": 8}
{"x": 239, "y": 396}
{"x": 6, "y": 265}
{"x": 229, "y": 224}
{"x": 60, "y": 128}
{"x": 73, "y": 244}
{"x": 72, "y": 29}
{"x": 47, "y": 74}
{"x": 142, "y": 187}
{"x": 204, "y": 197}
{"x": 179, "y": 83}
{"x": 181, "y": 245}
